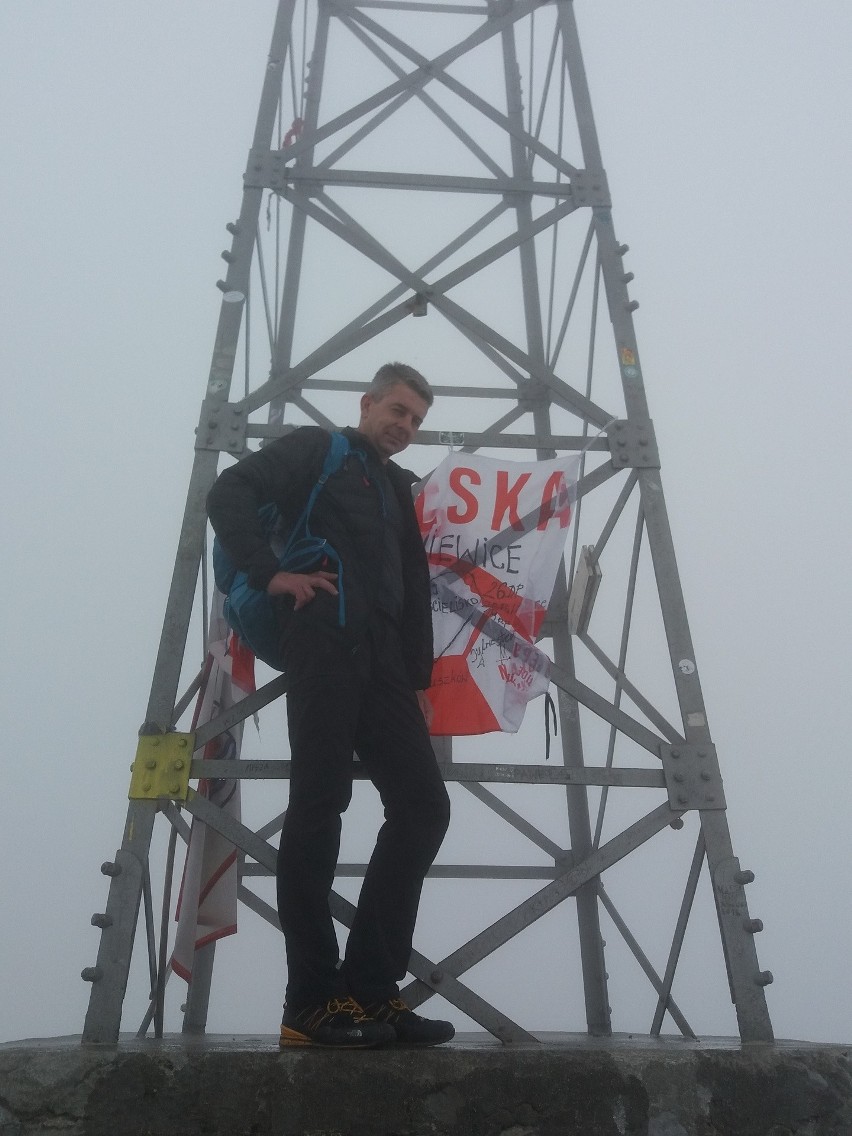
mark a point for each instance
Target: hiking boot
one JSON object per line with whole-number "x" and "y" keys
{"x": 410, "y": 1028}
{"x": 339, "y": 1022}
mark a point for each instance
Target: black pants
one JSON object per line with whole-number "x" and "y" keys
{"x": 340, "y": 701}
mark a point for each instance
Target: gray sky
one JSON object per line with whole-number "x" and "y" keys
{"x": 724, "y": 133}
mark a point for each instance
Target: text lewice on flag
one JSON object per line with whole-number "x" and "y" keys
{"x": 494, "y": 533}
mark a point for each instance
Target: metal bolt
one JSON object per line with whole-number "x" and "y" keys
{"x": 180, "y": 763}
{"x": 146, "y": 786}
{"x": 764, "y": 978}
{"x": 174, "y": 787}
{"x": 675, "y": 753}
{"x": 702, "y": 753}
{"x": 744, "y": 877}
{"x": 677, "y": 823}
{"x": 437, "y": 976}
{"x": 110, "y": 868}
{"x": 705, "y": 776}
{"x": 155, "y": 741}
{"x": 182, "y": 743}
{"x": 709, "y": 798}
{"x": 752, "y": 925}
{"x": 91, "y": 974}
{"x": 99, "y": 919}
{"x": 151, "y": 763}
{"x": 683, "y": 799}
{"x": 679, "y": 777}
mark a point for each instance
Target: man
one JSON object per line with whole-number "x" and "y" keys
{"x": 356, "y": 637}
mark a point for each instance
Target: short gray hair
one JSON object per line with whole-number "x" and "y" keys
{"x": 389, "y": 375}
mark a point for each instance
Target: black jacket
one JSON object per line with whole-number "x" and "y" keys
{"x": 349, "y": 513}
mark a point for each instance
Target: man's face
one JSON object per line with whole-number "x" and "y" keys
{"x": 392, "y": 421}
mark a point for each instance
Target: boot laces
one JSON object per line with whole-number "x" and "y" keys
{"x": 347, "y": 1006}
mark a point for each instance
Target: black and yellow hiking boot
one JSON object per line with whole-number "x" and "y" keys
{"x": 340, "y": 1022}
{"x": 410, "y": 1028}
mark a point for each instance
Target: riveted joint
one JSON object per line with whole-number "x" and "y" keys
{"x": 744, "y": 877}
{"x": 102, "y": 920}
{"x": 221, "y": 426}
{"x": 692, "y": 778}
{"x": 752, "y": 925}
{"x": 110, "y": 868}
{"x": 764, "y": 978}
{"x": 91, "y": 974}
{"x": 162, "y": 766}
{"x": 633, "y": 445}
{"x": 589, "y": 187}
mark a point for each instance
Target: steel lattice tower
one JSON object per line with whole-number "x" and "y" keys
{"x": 425, "y": 183}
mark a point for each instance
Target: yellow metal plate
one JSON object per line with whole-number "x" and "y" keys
{"x": 161, "y": 768}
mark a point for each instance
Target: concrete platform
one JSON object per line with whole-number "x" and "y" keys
{"x": 568, "y": 1085}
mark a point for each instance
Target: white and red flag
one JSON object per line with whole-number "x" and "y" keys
{"x": 494, "y": 533}
{"x": 207, "y": 905}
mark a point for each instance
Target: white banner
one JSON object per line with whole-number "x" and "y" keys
{"x": 494, "y": 533}
{"x": 207, "y": 906}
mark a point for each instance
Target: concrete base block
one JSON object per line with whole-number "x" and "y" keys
{"x": 568, "y": 1085}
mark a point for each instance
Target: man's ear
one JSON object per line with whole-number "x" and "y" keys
{"x": 366, "y": 403}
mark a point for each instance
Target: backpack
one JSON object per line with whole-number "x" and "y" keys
{"x": 249, "y": 611}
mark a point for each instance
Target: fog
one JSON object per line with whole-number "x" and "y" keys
{"x": 724, "y": 135}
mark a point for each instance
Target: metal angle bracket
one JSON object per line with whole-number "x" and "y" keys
{"x": 222, "y": 426}
{"x": 692, "y": 776}
{"x": 633, "y": 445}
{"x": 161, "y": 768}
{"x": 584, "y": 589}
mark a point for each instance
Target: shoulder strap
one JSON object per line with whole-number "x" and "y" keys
{"x": 336, "y": 454}
{"x": 338, "y": 451}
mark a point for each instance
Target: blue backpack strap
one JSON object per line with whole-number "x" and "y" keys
{"x": 303, "y": 548}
